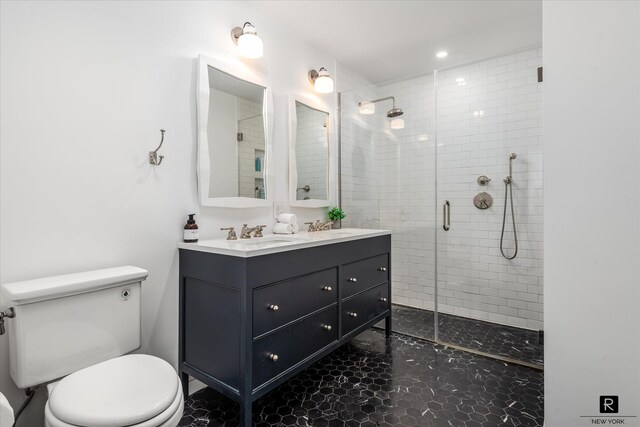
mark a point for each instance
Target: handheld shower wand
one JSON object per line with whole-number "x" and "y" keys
{"x": 508, "y": 194}
{"x": 508, "y": 179}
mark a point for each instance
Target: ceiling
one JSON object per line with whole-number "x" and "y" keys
{"x": 387, "y": 40}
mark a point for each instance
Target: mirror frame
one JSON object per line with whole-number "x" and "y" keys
{"x": 293, "y": 168}
{"x": 203, "y": 163}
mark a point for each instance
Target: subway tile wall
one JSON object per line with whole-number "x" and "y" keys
{"x": 484, "y": 112}
{"x": 359, "y": 135}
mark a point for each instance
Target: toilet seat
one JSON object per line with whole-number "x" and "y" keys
{"x": 134, "y": 390}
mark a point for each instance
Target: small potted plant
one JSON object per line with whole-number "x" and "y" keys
{"x": 336, "y": 214}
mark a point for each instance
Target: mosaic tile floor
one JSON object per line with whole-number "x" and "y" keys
{"x": 399, "y": 381}
{"x": 492, "y": 338}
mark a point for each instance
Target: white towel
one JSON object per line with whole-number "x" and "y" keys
{"x": 287, "y": 218}
{"x": 280, "y": 228}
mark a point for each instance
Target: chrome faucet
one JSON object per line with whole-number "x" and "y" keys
{"x": 246, "y": 232}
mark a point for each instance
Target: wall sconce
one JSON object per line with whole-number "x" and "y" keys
{"x": 322, "y": 81}
{"x": 369, "y": 107}
{"x": 249, "y": 44}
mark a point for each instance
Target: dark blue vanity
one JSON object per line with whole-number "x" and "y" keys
{"x": 248, "y": 323}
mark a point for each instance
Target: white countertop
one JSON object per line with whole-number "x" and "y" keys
{"x": 274, "y": 243}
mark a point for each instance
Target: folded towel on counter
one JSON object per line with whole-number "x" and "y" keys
{"x": 288, "y": 218}
{"x": 280, "y": 228}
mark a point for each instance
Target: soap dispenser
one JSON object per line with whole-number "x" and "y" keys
{"x": 191, "y": 230}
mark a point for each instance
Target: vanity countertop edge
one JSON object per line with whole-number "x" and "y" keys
{"x": 307, "y": 240}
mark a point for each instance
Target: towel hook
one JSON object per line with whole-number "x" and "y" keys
{"x": 154, "y": 159}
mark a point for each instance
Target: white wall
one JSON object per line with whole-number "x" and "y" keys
{"x": 85, "y": 87}
{"x": 592, "y": 208}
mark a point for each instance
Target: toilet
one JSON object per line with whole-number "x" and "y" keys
{"x": 74, "y": 333}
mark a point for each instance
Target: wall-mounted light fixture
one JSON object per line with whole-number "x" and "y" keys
{"x": 369, "y": 107}
{"x": 249, "y": 44}
{"x": 322, "y": 81}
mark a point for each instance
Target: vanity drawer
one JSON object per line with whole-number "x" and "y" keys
{"x": 293, "y": 344}
{"x": 360, "y": 309}
{"x": 361, "y": 275}
{"x": 278, "y": 304}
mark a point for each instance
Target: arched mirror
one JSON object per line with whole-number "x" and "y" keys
{"x": 310, "y": 169}
{"x": 234, "y": 143}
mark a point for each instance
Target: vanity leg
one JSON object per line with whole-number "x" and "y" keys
{"x": 184, "y": 380}
{"x": 387, "y": 326}
{"x": 245, "y": 413}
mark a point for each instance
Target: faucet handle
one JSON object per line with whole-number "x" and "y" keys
{"x": 232, "y": 234}
{"x": 259, "y": 230}
{"x": 312, "y": 228}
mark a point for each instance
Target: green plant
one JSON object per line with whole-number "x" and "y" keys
{"x": 336, "y": 214}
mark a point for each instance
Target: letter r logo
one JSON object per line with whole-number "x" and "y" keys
{"x": 608, "y": 404}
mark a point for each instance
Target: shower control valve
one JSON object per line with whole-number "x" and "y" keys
{"x": 483, "y": 180}
{"x": 483, "y": 200}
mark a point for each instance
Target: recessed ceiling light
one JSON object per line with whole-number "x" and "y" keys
{"x": 442, "y": 54}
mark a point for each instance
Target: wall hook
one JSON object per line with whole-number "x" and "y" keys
{"x": 154, "y": 159}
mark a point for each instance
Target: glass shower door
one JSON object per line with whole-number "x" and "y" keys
{"x": 488, "y": 116}
{"x": 388, "y": 182}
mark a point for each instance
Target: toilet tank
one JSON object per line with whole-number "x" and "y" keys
{"x": 66, "y": 323}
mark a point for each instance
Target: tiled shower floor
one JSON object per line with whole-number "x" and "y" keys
{"x": 492, "y": 338}
{"x": 399, "y": 381}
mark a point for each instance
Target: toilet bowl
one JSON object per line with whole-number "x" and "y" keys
{"x": 6, "y": 412}
{"x": 134, "y": 390}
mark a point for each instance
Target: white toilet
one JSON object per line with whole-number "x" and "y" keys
{"x": 77, "y": 329}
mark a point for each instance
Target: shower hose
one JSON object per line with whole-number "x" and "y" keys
{"x": 508, "y": 194}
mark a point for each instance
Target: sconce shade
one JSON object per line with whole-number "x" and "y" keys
{"x": 322, "y": 81}
{"x": 249, "y": 44}
{"x": 366, "y": 107}
{"x": 397, "y": 123}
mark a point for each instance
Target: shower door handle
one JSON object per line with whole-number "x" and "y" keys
{"x": 446, "y": 216}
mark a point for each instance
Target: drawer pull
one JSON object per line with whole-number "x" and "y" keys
{"x": 326, "y": 288}
{"x": 273, "y": 357}
{"x": 273, "y": 307}
{"x": 326, "y": 327}
{"x": 352, "y": 279}
{"x": 352, "y": 314}
{"x": 383, "y": 299}
{"x": 382, "y": 268}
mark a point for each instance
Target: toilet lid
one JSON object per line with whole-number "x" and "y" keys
{"x": 118, "y": 392}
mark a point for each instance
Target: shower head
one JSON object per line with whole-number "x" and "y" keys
{"x": 394, "y": 112}
{"x": 512, "y": 156}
